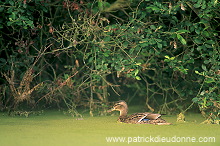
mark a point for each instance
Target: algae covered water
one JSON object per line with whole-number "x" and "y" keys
{"x": 53, "y": 128}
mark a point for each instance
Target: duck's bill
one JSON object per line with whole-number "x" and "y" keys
{"x": 110, "y": 110}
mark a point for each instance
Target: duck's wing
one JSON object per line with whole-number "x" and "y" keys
{"x": 152, "y": 116}
{"x": 146, "y": 118}
{"x": 141, "y": 119}
{"x": 149, "y": 116}
{"x": 136, "y": 117}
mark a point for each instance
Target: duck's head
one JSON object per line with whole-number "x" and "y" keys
{"x": 120, "y": 106}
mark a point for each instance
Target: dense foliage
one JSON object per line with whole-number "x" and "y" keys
{"x": 86, "y": 53}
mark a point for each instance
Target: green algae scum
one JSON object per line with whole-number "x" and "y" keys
{"x": 53, "y": 128}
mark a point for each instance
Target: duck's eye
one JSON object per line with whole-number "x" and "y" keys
{"x": 117, "y": 106}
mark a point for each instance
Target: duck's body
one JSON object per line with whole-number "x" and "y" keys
{"x": 137, "y": 118}
{"x": 142, "y": 118}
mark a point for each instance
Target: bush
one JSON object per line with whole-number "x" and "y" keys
{"x": 161, "y": 52}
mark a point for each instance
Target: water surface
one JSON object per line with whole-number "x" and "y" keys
{"x": 53, "y": 128}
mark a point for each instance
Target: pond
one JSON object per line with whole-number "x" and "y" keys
{"x": 53, "y": 128}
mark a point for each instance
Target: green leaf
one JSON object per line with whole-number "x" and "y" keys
{"x": 25, "y": 18}
{"x": 167, "y": 57}
{"x": 211, "y": 42}
{"x": 204, "y": 68}
{"x": 90, "y": 59}
{"x": 208, "y": 46}
{"x": 107, "y": 39}
{"x": 25, "y": 6}
{"x": 137, "y": 78}
{"x": 172, "y": 58}
{"x": 204, "y": 5}
{"x": 103, "y": 4}
{"x": 197, "y": 5}
{"x": 154, "y": 8}
{"x": 159, "y": 45}
{"x": 9, "y": 23}
{"x": 138, "y": 64}
{"x": 125, "y": 44}
{"x": 201, "y": 48}
{"x": 144, "y": 44}
{"x": 11, "y": 2}
{"x": 209, "y": 80}
{"x": 100, "y": 5}
{"x": 206, "y": 33}
{"x": 1, "y": 9}
{"x": 181, "y": 39}
{"x": 136, "y": 72}
{"x": 12, "y": 15}
{"x": 197, "y": 72}
{"x": 182, "y": 31}
{"x": 197, "y": 31}
{"x": 195, "y": 99}
{"x": 153, "y": 27}
{"x": 44, "y": 8}
{"x": 206, "y": 61}
{"x": 3, "y": 60}
{"x": 106, "y": 54}
{"x": 159, "y": 40}
{"x": 198, "y": 41}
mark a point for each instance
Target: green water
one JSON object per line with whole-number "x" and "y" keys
{"x": 53, "y": 128}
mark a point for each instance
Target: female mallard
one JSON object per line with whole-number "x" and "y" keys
{"x": 137, "y": 118}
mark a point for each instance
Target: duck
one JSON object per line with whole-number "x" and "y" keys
{"x": 136, "y": 118}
